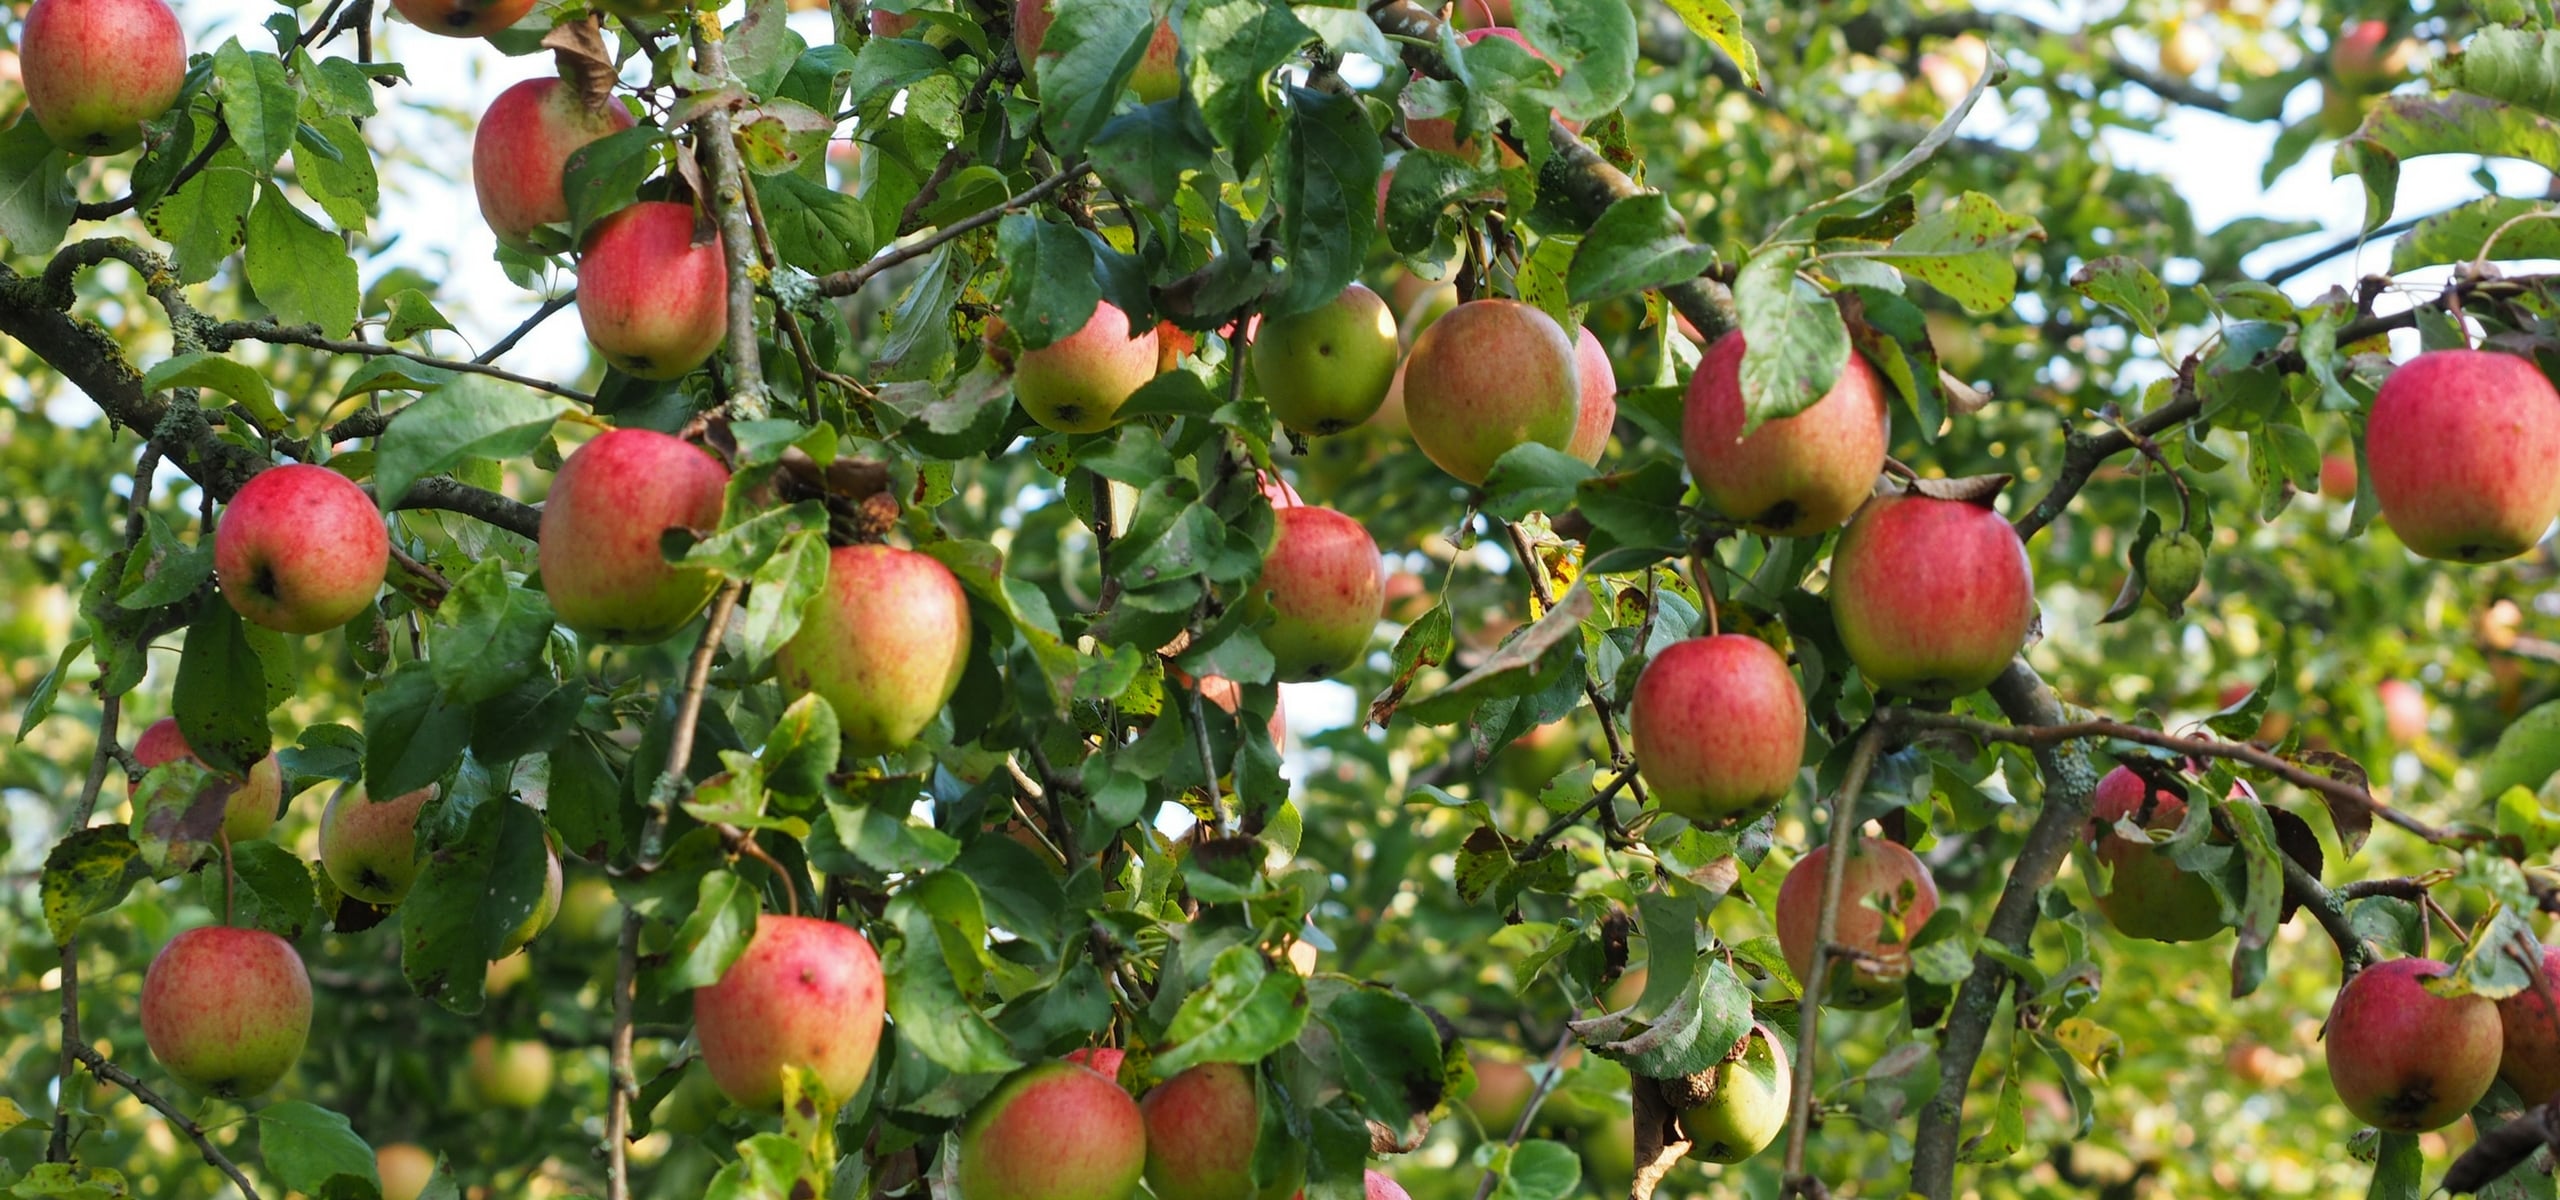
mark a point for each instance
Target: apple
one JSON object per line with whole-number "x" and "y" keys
{"x": 370, "y": 849}
{"x": 250, "y": 811}
{"x": 1078, "y": 383}
{"x": 2464, "y": 446}
{"x": 1323, "y": 590}
{"x": 1375, "y": 1186}
{"x": 1718, "y": 724}
{"x": 654, "y": 301}
{"x": 1795, "y": 476}
{"x": 2338, "y": 477}
{"x": 2149, "y": 896}
{"x": 611, "y": 504}
{"x": 2404, "y": 1059}
{"x": 884, "y": 642}
{"x": 1390, "y": 418}
{"x": 463, "y": 18}
{"x": 1932, "y": 597}
{"x": 523, "y": 146}
{"x": 1103, "y": 1060}
{"x": 1502, "y": 1093}
{"x": 1159, "y": 74}
{"x": 1327, "y": 369}
{"x": 1599, "y": 412}
{"x": 226, "y": 1010}
{"x": 301, "y": 549}
{"x": 1441, "y": 133}
{"x": 889, "y": 24}
{"x": 95, "y": 70}
{"x": 1053, "y": 1131}
{"x": 1747, "y": 1105}
{"x": 2355, "y": 56}
{"x": 515, "y": 1073}
{"x": 589, "y": 912}
{"x": 1491, "y": 375}
{"x": 2529, "y": 1058}
{"x": 2404, "y": 710}
{"x": 1953, "y": 73}
{"x": 2185, "y": 48}
{"x": 1201, "y": 1128}
{"x": 405, "y": 1169}
{"x": 1886, "y": 895}
{"x": 545, "y": 907}
{"x": 805, "y": 993}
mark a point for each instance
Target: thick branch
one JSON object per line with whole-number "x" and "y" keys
{"x": 718, "y": 138}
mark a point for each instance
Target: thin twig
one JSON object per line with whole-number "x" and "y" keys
{"x": 846, "y": 283}
{"x": 311, "y": 336}
{"x": 103, "y": 1069}
{"x": 528, "y": 325}
{"x": 1538, "y": 1096}
{"x": 1826, "y": 925}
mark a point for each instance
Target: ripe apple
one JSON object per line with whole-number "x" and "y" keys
{"x": 463, "y": 18}
{"x": 95, "y": 70}
{"x": 2529, "y": 1058}
{"x": 1159, "y": 74}
{"x": 226, "y": 1010}
{"x": 610, "y": 505}
{"x": 545, "y": 907}
{"x": 2355, "y": 57}
{"x": 300, "y": 549}
{"x": 1327, "y": 369}
{"x": 371, "y": 849}
{"x": 1375, "y": 1186}
{"x": 1719, "y": 728}
{"x": 2403, "y": 1059}
{"x": 1201, "y": 1129}
{"x": 654, "y": 301}
{"x": 405, "y": 1169}
{"x": 1078, "y": 383}
{"x": 1881, "y": 880}
{"x": 1795, "y": 476}
{"x": 2404, "y": 710}
{"x": 515, "y": 1073}
{"x": 1932, "y": 597}
{"x": 885, "y": 643}
{"x": 1748, "y": 1106}
{"x": 2464, "y": 446}
{"x": 2338, "y": 477}
{"x": 1324, "y": 590}
{"x": 1599, "y": 412}
{"x": 1102, "y": 1060}
{"x": 250, "y": 811}
{"x": 1489, "y": 376}
{"x": 2149, "y": 897}
{"x": 806, "y": 993}
{"x": 523, "y": 146}
{"x": 1502, "y": 1093}
{"x": 1053, "y": 1131}
{"x": 889, "y": 24}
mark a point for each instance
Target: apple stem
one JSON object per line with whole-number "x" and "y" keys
{"x": 223, "y": 837}
{"x": 744, "y": 841}
{"x": 1826, "y": 926}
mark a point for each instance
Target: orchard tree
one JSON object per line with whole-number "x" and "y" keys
{"x": 1836, "y": 642}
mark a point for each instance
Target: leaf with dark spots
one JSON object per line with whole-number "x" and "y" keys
{"x": 2296, "y": 840}
{"x": 2353, "y": 818}
{"x": 1978, "y": 490}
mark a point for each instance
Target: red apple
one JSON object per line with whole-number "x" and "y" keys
{"x": 251, "y": 810}
{"x": 511, "y": 1074}
{"x": 612, "y": 502}
{"x": 1719, "y": 728}
{"x": 1749, "y": 1106}
{"x": 1103, "y": 1060}
{"x": 1491, "y": 375}
{"x": 1479, "y": 14}
{"x": 1078, "y": 383}
{"x": 2529, "y": 1058}
{"x": 654, "y": 301}
{"x": 1932, "y": 597}
{"x": 523, "y": 146}
{"x": 1324, "y": 590}
{"x": 889, "y": 24}
{"x": 1327, "y": 369}
{"x": 806, "y": 993}
{"x": 1053, "y": 1131}
{"x": 370, "y": 849}
{"x": 2406, "y": 1060}
{"x": 2464, "y": 446}
{"x": 1379, "y": 1187}
{"x": 2355, "y": 57}
{"x": 1159, "y": 74}
{"x": 2149, "y": 896}
{"x": 1201, "y": 1128}
{"x": 95, "y": 70}
{"x": 226, "y": 1010}
{"x": 405, "y": 1169}
{"x": 2404, "y": 710}
{"x": 1795, "y": 476}
{"x": 1502, "y": 1093}
{"x": 463, "y": 18}
{"x": 1599, "y": 412}
{"x": 885, "y": 643}
{"x": 300, "y": 549}
{"x": 1880, "y": 878}
{"x": 2338, "y": 477}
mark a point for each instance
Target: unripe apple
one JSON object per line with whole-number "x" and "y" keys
{"x": 226, "y": 1010}
{"x": 1795, "y": 476}
{"x": 1719, "y": 728}
{"x": 806, "y": 993}
{"x": 300, "y": 550}
{"x": 1599, "y": 412}
{"x": 523, "y": 146}
{"x": 2403, "y": 1059}
{"x": 250, "y": 811}
{"x": 1053, "y": 1131}
{"x": 505, "y": 973}
{"x": 511, "y": 1074}
{"x": 1327, "y": 369}
{"x": 370, "y": 849}
{"x": 1201, "y": 1128}
{"x": 2184, "y": 49}
{"x": 884, "y": 642}
{"x": 545, "y": 907}
{"x": 1886, "y": 895}
{"x": 2404, "y": 710}
{"x": 2529, "y": 1058}
{"x": 1491, "y": 375}
{"x": 1932, "y": 597}
{"x": 2149, "y": 896}
{"x": 2464, "y": 446}
{"x": 611, "y": 504}
{"x": 1102, "y": 1060}
{"x": 654, "y": 301}
{"x": 1748, "y": 1106}
{"x": 463, "y": 18}
{"x": 95, "y": 70}
{"x": 1159, "y": 73}
{"x": 405, "y": 1169}
{"x": 1324, "y": 590}
{"x": 1078, "y": 383}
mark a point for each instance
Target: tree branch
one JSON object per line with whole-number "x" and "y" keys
{"x": 219, "y": 338}
{"x": 846, "y": 283}
{"x": 1826, "y": 925}
{"x": 103, "y": 1069}
{"x": 716, "y": 135}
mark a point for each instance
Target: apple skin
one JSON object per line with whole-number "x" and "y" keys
{"x": 1599, "y": 412}
{"x": 1053, "y": 1131}
{"x": 226, "y": 1010}
{"x": 1878, "y": 872}
{"x": 1078, "y": 383}
{"x": 884, "y": 642}
{"x": 95, "y": 70}
{"x": 1324, "y": 588}
{"x": 1375, "y": 1186}
{"x": 2405, "y": 1060}
{"x": 545, "y": 907}
{"x": 301, "y": 549}
{"x": 405, "y": 1169}
{"x": 1795, "y": 476}
{"x": 889, "y": 24}
{"x": 1490, "y": 375}
{"x": 654, "y": 303}
{"x": 2338, "y": 477}
{"x": 610, "y": 504}
{"x": 371, "y": 849}
{"x": 1102, "y": 1060}
{"x": 2529, "y": 1058}
{"x": 1327, "y": 369}
{"x": 511, "y": 1074}
{"x": 1719, "y": 728}
{"x": 463, "y": 18}
{"x": 251, "y": 810}
{"x": 2404, "y": 710}
{"x": 1932, "y": 597}
{"x": 2149, "y": 896}
{"x": 1157, "y": 77}
{"x": 521, "y": 149}
{"x": 1747, "y": 1112}
{"x": 805, "y": 993}
{"x": 2464, "y": 448}
{"x": 1201, "y": 1129}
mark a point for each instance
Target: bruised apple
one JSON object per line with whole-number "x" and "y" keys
{"x": 251, "y": 809}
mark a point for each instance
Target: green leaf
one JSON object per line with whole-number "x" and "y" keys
{"x": 205, "y": 221}
{"x": 932, "y": 1008}
{"x": 1050, "y": 289}
{"x": 2519, "y": 66}
{"x": 298, "y": 267}
{"x": 1639, "y": 243}
{"x": 1965, "y": 251}
{"x": 1539, "y": 1169}
{"x": 2128, "y": 287}
{"x": 213, "y": 372}
{"x": 1243, "y": 1012}
{"x": 815, "y": 227}
{"x": 306, "y": 1146}
{"x": 714, "y": 933}
{"x": 220, "y": 698}
{"x": 2527, "y": 754}
{"x": 338, "y": 171}
{"x": 1237, "y": 45}
{"x": 40, "y": 698}
{"x": 483, "y": 869}
{"x": 1327, "y": 176}
{"x": 412, "y": 736}
{"x": 2458, "y": 234}
{"x": 36, "y": 198}
{"x": 488, "y": 634}
{"x": 2397, "y": 1169}
{"x": 392, "y": 372}
{"x": 271, "y": 889}
{"x": 1085, "y": 60}
{"x": 605, "y": 175}
{"x": 1594, "y": 41}
{"x": 163, "y": 570}
{"x": 1794, "y": 342}
{"x": 1532, "y": 477}
{"x": 412, "y": 313}
{"x": 472, "y": 416}
{"x": 1146, "y": 152}
{"x": 1524, "y": 665}
{"x": 2411, "y": 125}
{"x": 1425, "y": 183}
{"x": 86, "y": 873}
{"x": 880, "y": 838}
{"x": 258, "y": 103}
{"x": 802, "y": 749}
{"x": 1716, "y": 21}
{"x": 1391, "y": 1059}
{"x": 1693, "y": 1033}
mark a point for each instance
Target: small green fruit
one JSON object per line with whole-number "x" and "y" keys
{"x": 2172, "y": 567}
